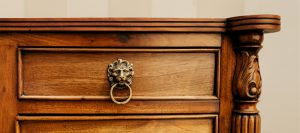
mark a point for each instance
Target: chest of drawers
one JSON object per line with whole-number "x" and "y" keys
{"x": 90, "y": 75}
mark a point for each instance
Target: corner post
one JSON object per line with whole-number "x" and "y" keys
{"x": 246, "y": 82}
{"x": 246, "y": 33}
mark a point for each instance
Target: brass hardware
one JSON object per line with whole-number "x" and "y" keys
{"x": 120, "y": 74}
{"x": 118, "y": 102}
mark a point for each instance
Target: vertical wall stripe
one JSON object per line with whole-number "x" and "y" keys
{"x": 220, "y": 8}
{"x": 11, "y": 8}
{"x": 46, "y": 8}
{"x": 87, "y": 8}
{"x": 174, "y": 8}
{"x": 129, "y": 8}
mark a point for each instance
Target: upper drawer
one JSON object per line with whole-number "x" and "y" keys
{"x": 81, "y": 73}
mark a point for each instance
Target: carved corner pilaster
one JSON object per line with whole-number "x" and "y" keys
{"x": 247, "y": 35}
{"x": 246, "y": 82}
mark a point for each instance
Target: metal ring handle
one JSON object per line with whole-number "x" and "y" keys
{"x": 120, "y": 102}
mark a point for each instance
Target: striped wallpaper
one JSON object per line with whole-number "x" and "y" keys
{"x": 121, "y": 8}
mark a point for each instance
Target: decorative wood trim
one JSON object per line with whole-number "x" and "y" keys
{"x": 247, "y": 35}
{"x": 266, "y": 23}
{"x": 135, "y": 50}
{"x": 104, "y": 107}
{"x": 118, "y": 98}
{"x": 246, "y": 82}
{"x": 20, "y": 74}
{"x": 115, "y": 117}
{"x": 218, "y": 74}
{"x": 113, "y": 24}
{"x": 112, "y": 117}
{"x": 249, "y": 123}
{"x": 124, "y": 50}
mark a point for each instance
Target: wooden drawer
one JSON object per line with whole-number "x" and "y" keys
{"x": 76, "y": 78}
{"x": 81, "y": 74}
{"x": 116, "y": 124}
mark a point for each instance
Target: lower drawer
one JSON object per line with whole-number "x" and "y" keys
{"x": 114, "y": 124}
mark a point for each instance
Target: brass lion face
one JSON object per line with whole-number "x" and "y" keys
{"x": 120, "y": 72}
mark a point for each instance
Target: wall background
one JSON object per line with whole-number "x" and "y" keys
{"x": 280, "y": 57}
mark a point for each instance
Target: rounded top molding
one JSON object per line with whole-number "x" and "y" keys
{"x": 267, "y": 23}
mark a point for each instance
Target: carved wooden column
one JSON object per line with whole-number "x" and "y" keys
{"x": 247, "y": 82}
{"x": 247, "y": 35}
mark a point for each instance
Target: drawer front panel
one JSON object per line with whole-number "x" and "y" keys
{"x": 115, "y": 124}
{"x": 81, "y": 74}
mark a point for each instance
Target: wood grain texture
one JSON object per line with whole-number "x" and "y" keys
{"x": 227, "y": 72}
{"x": 81, "y": 74}
{"x": 107, "y": 124}
{"x": 107, "y": 107}
{"x": 8, "y": 97}
{"x": 115, "y": 39}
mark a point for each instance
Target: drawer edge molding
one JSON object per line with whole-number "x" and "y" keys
{"x": 112, "y": 117}
{"x": 143, "y": 50}
{"x": 210, "y": 125}
{"x": 108, "y": 98}
{"x": 133, "y": 107}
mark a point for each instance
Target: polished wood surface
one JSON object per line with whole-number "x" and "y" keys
{"x": 227, "y": 72}
{"x": 108, "y": 107}
{"x": 119, "y": 39}
{"x": 8, "y": 80}
{"x": 114, "y": 24}
{"x": 109, "y": 124}
{"x": 266, "y": 23}
{"x": 247, "y": 82}
{"x": 191, "y": 75}
{"x": 81, "y": 74}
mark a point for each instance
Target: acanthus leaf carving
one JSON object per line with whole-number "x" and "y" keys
{"x": 247, "y": 77}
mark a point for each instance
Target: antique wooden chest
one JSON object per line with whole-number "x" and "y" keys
{"x": 91, "y": 75}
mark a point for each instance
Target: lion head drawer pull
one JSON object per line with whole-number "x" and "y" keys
{"x": 120, "y": 74}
